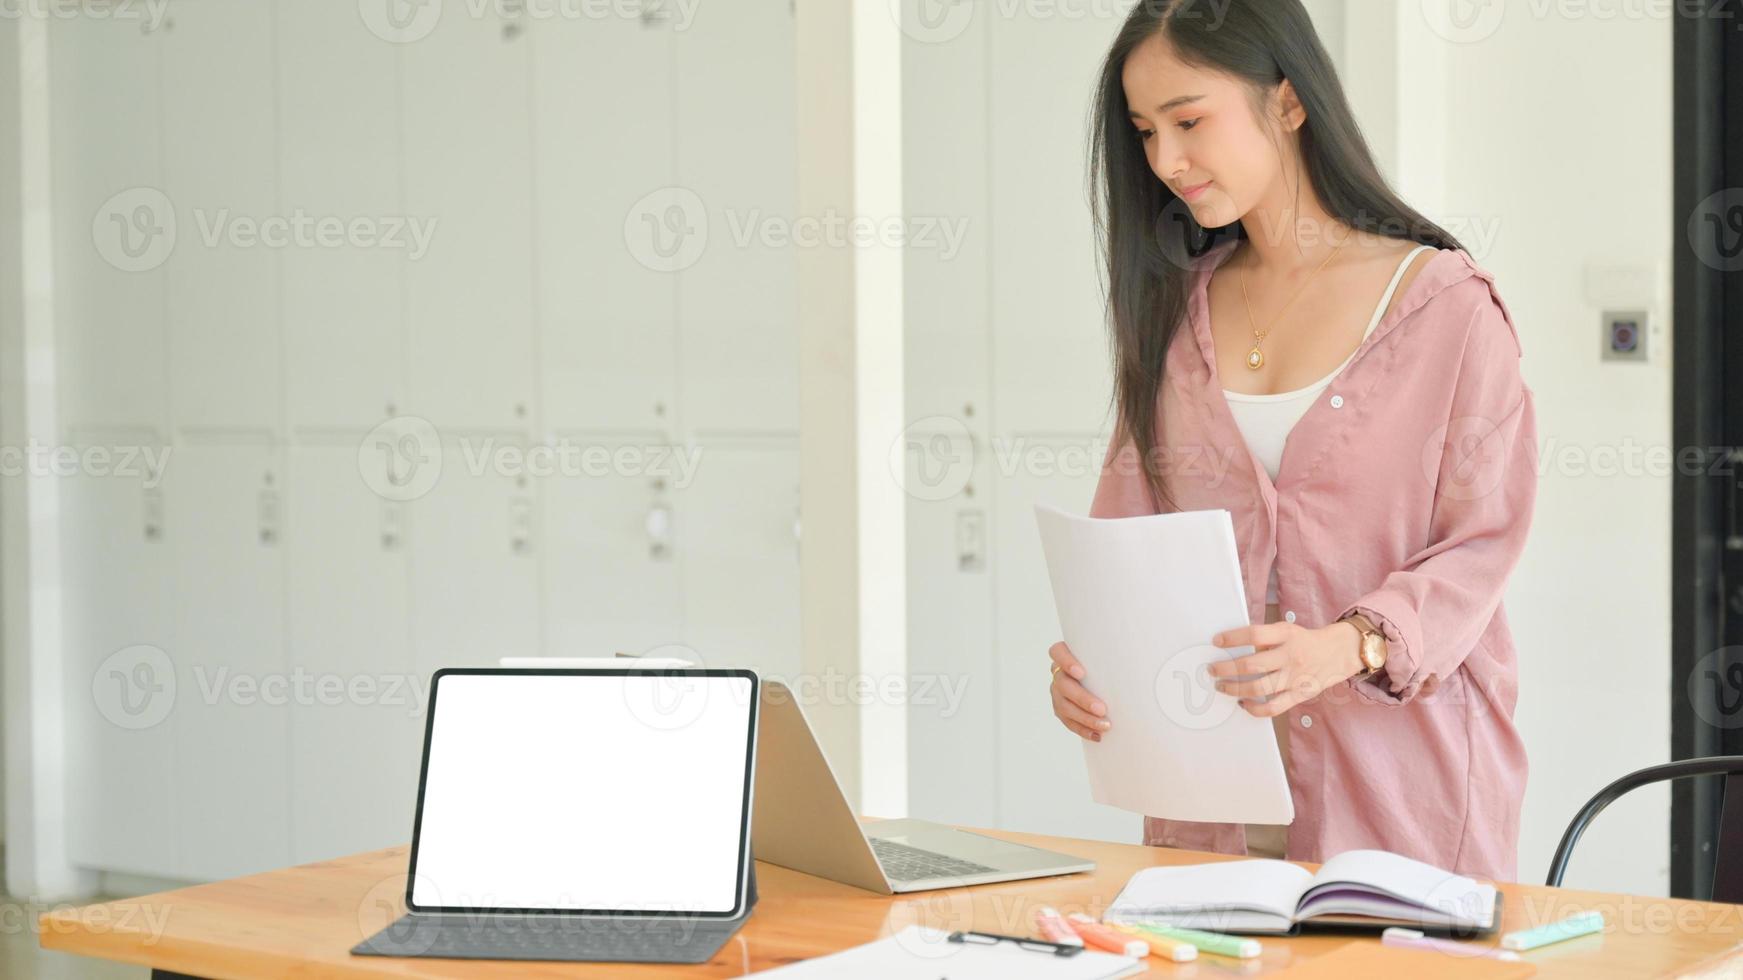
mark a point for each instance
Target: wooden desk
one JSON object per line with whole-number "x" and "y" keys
{"x": 302, "y": 921}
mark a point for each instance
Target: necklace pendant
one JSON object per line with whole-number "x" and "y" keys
{"x": 1255, "y": 359}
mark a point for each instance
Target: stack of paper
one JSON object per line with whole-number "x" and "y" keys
{"x": 1139, "y": 599}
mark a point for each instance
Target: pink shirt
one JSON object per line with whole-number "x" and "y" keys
{"x": 1405, "y": 492}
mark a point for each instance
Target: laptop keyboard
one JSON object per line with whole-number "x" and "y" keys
{"x": 672, "y": 940}
{"x": 614, "y": 944}
{"x": 905, "y": 863}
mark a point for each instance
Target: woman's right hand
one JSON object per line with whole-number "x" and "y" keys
{"x": 1076, "y": 708}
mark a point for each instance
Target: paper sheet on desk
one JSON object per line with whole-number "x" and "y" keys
{"x": 1139, "y": 599}
{"x": 923, "y": 953}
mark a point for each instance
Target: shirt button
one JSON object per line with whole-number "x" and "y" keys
{"x": 1306, "y": 721}
{"x": 1289, "y": 616}
{"x": 1337, "y": 401}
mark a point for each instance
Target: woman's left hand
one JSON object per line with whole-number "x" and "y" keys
{"x": 1296, "y": 663}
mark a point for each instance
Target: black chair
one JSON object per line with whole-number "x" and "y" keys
{"x": 1727, "y": 863}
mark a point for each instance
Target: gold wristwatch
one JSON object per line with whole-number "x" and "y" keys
{"x": 1373, "y": 648}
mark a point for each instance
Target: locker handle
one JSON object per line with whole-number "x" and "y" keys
{"x": 659, "y": 530}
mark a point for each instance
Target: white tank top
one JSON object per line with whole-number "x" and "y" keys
{"x": 1265, "y": 421}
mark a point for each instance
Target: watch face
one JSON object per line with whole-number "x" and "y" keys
{"x": 1372, "y": 652}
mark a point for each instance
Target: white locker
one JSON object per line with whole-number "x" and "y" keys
{"x": 737, "y": 542}
{"x": 110, "y": 223}
{"x": 271, "y": 576}
{"x": 611, "y": 578}
{"x": 474, "y": 592}
{"x": 338, "y": 160}
{"x": 603, "y": 129}
{"x": 122, "y": 761}
{"x": 951, "y": 661}
{"x": 356, "y": 733}
{"x": 738, "y": 336}
{"x": 947, "y": 376}
{"x": 219, "y": 171}
{"x": 468, "y": 166}
{"x": 1050, "y": 367}
{"x": 945, "y": 197}
{"x": 223, "y": 521}
{"x": 1043, "y": 785}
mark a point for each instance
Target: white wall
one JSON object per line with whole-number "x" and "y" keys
{"x": 1006, "y": 357}
{"x": 1572, "y": 161}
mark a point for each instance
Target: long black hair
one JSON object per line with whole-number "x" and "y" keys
{"x": 1147, "y": 237}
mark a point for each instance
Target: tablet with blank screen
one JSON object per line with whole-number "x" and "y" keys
{"x": 617, "y": 792}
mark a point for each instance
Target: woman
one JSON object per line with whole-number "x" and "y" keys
{"x": 1295, "y": 344}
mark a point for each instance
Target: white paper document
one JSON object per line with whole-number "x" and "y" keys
{"x": 1139, "y": 599}
{"x": 922, "y": 953}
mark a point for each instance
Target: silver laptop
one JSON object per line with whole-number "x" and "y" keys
{"x": 592, "y": 814}
{"x": 803, "y": 821}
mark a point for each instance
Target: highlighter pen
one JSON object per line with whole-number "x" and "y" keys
{"x": 1055, "y": 929}
{"x": 1417, "y": 939}
{"x": 1583, "y": 924}
{"x": 1177, "y": 950}
{"x": 1210, "y": 942}
{"x": 1101, "y": 937}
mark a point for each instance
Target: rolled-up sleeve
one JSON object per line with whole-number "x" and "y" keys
{"x": 1435, "y": 608}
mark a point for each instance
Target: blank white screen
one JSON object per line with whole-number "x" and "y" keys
{"x": 584, "y": 792}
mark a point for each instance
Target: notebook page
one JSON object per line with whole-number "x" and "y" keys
{"x": 1267, "y": 886}
{"x": 1458, "y": 899}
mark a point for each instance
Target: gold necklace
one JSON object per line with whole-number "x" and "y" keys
{"x": 1256, "y": 357}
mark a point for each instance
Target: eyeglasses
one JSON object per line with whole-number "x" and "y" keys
{"x": 1023, "y": 942}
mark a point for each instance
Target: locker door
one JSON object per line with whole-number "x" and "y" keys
{"x": 611, "y": 574}
{"x": 473, "y": 544}
{"x": 356, "y": 738}
{"x": 947, "y": 344}
{"x": 738, "y": 549}
{"x": 1043, "y": 785}
{"x": 339, "y": 159}
{"x": 603, "y": 123}
{"x": 944, "y": 188}
{"x": 1049, "y": 374}
{"x": 219, "y": 171}
{"x": 1050, "y": 359}
{"x": 738, "y": 337}
{"x": 113, "y": 227}
{"x": 121, "y": 696}
{"x": 224, "y": 507}
{"x": 953, "y": 700}
{"x": 467, "y": 167}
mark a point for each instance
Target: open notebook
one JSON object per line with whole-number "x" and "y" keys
{"x": 1356, "y": 889}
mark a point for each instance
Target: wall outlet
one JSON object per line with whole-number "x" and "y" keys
{"x": 1624, "y": 335}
